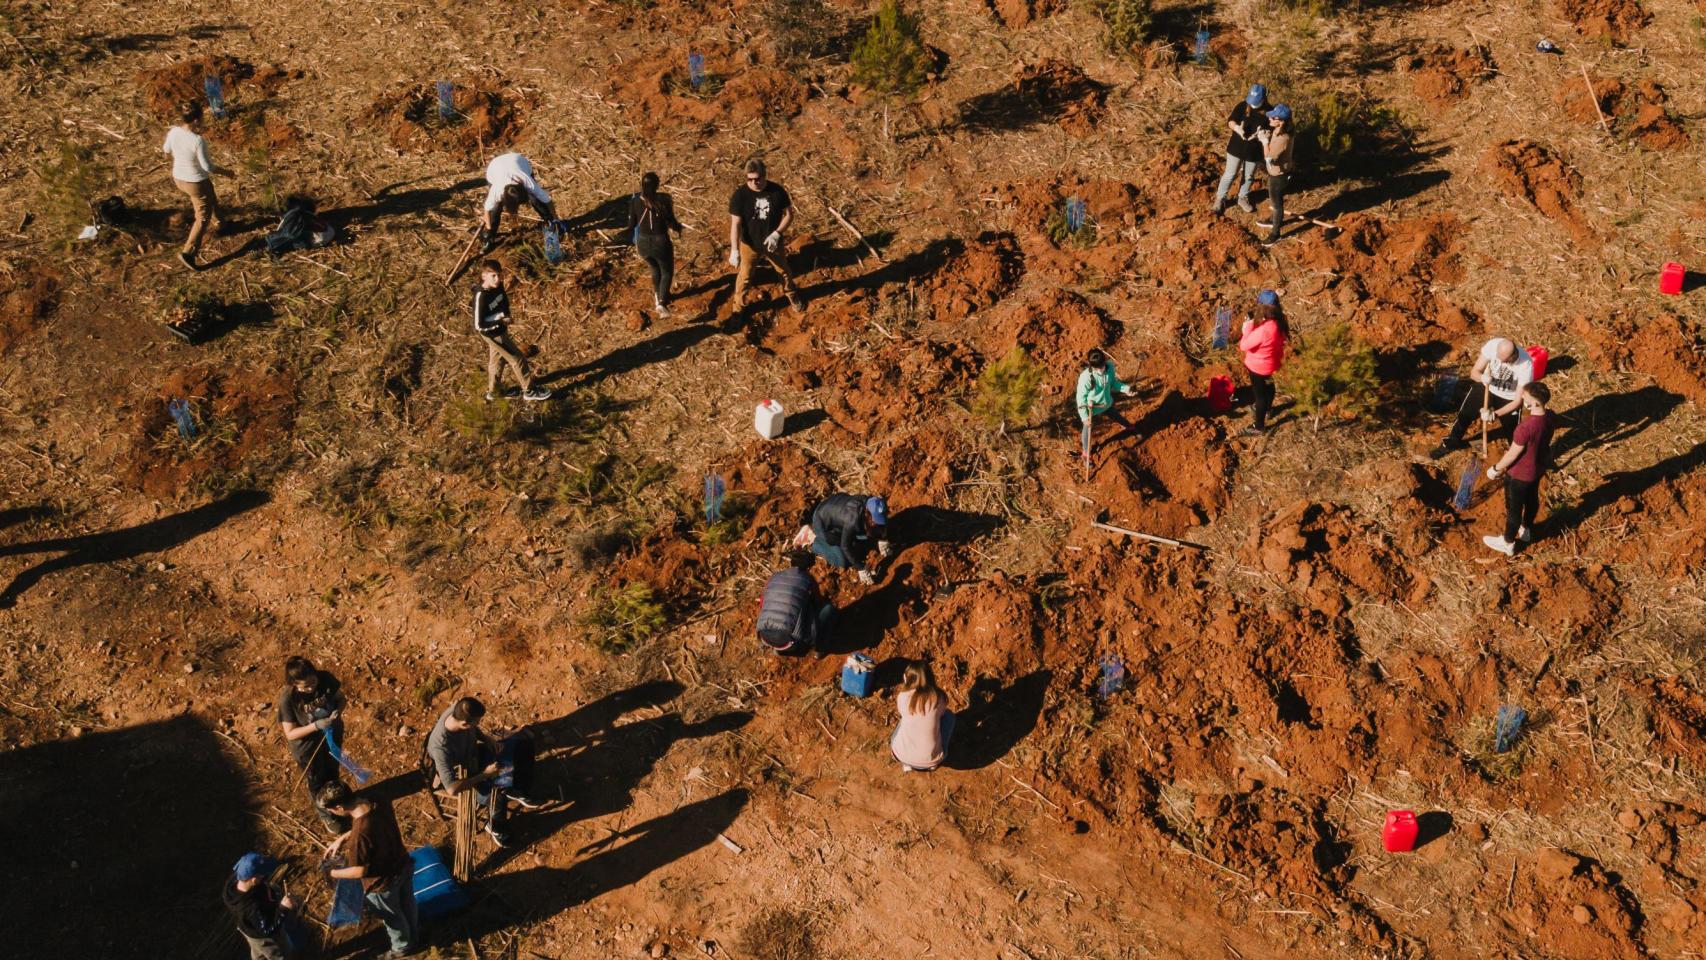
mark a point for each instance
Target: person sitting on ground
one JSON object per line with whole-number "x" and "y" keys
{"x": 1522, "y": 466}
{"x": 193, "y": 173}
{"x": 844, "y": 529}
{"x": 1244, "y": 149}
{"x": 1276, "y": 156}
{"x": 258, "y": 907}
{"x": 465, "y": 757}
{"x": 510, "y": 180}
{"x": 651, "y": 216}
{"x": 760, "y": 213}
{"x": 373, "y": 853}
{"x": 793, "y": 616}
{"x": 1097, "y": 384}
{"x": 920, "y": 739}
{"x": 491, "y": 321}
{"x": 300, "y": 229}
{"x": 309, "y": 708}
{"x": 1503, "y": 369}
{"x": 1263, "y": 343}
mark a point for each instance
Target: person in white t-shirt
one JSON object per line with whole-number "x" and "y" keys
{"x": 1501, "y": 371}
{"x": 193, "y": 172}
{"x": 510, "y": 176}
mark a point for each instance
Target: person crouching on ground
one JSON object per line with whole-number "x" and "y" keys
{"x": 793, "y": 617}
{"x": 651, "y": 216}
{"x": 844, "y": 529}
{"x": 920, "y": 739}
{"x": 1263, "y": 343}
{"x": 509, "y": 179}
{"x": 491, "y": 321}
{"x": 1503, "y": 369}
{"x": 1244, "y": 149}
{"x": 1522, "y": 466}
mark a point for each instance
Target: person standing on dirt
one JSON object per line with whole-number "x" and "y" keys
{"x": 1097, "y": 384}
{"x": 1502, "y": 369}
{"x": 260, "y": 910}
{"x": 920, "y": 739}
{"x": 1276, "y": 155}
{"x": 844, "y": 529}
{"x": 760, "y": 212}
{"x": 1522, "y": 466}
{"x": 1244, "y": 149}
{"x": 793, "y": 616}
{"x": 310, "y": 708}
{"x": 373, "y": 852}
{"x": 510, "y": 181}
{"x": 1263, "y": 343}
{"x": 651, "y": 216}
{"x": 465, "y": 757}
{"x": 193, "y": 173}
{"x": 491, "y": 321}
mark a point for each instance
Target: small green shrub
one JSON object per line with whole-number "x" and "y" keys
{"x": 1337, "y": 131}
{"x": 1332, "y": 370}
{"x": 1007, "y": 389}
{"x": 476, "y": 418}
{"x": 1125, "y": 23}
{"x": 891, "y": 58}
{"x": 1061, "y": 234}
{"x": 618, "y": 618}
{"x": 70, "y": 185}
{"x": 737, "y": 513}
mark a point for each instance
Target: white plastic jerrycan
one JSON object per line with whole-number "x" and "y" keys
{"x": 768, "y": 419}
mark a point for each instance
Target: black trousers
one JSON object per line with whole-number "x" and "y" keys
{"x": 1469, "y": 411}
{"x": 517, "y": 751}
{"x": 1522, "y": 503}
{"x": 1278, "y": 184}
{"x": 1262, "y": 388}
{"x": 659, "y": 255}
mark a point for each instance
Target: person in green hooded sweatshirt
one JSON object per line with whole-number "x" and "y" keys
{"x": 1097, "y": 384}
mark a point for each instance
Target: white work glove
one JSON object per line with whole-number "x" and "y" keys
{"x": 885, "y": 549}
{"x": 734, "y": 256}
{"x": 773, "y": 241}
{"x": 1487, "y": 414}
{"x": 1493, "y": 472}
{"x": 804, "y": 539}
{"x": 866, "y": 578}
{"x": 1125, "y": 390}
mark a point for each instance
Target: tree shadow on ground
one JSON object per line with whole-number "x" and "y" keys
{"x": 942, "y": 525}
{"x": 1611, "y": 418}
{"x": 995, "y": 719}
{"x": 1624, "y": 483}
{"x": 391, "y": 201}
{"x": 1024, "y": 104}
{"x": 151, "y": 537}
{"x": 128, "y": 826}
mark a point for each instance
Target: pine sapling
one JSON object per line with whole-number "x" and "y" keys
{"x": 1007, "y": 389}
{"x": 1332, "y": 370}
{"x": 891, "y": 59}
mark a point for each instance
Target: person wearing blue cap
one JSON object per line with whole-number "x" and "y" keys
{"x": 1263, "y": 344}
{"x": 1243, "y": 150}
{"x": 262, "y": 913}
{"x": 1276, "y": 154}
{"x": 845, "y": 528}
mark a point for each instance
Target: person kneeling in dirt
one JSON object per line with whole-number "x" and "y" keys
{"x": 491, "y": 321}
{"x": 510, "y": 179}
{"x": 844, "y": 530}
{"x": 760, "y": 212}
{"x": 500, "y": 771}
{"x": 1244, "y": 149}
{"x": 310, "y": 708}
{"x": 793, "y": 616}
{"x": 263, "y": 915}
{"x": 1097, "y": 384}
{"x": 920, "y": 739}
{"x": 1503, "y": 369}
{"x": 1522, "y": 467}
{"x": 300, "y": 229}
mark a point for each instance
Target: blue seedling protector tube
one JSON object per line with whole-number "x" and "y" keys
{"x": 553, "y": 244}
{"x": 1507, "y": 728}
{"x": 1444, "y": 389}
{"x": 715, "y": 489}
{"x": 215, "y": 94}
{"x": 1074, "y": 214}
{"x": 1222, "y": 327}
{"x": 1113, "y": 677}
{"x": 1466, "y": 486}
{"x": 180, "y": 411}
{"x": 446, "y": 101}
{"x": 1201, "y": 51}
{"x": 696, "y": 69}
{"x": 356, "y": 770}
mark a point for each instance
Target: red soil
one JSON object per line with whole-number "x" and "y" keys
{"x": 1612, "y": 21}
{"x": 490, "y": 118}
{"x": 1020, "y": 13}
{"x": 1442, "y": 76}
{"x": 242, "y": 416}
{"x": 1635, "y": 112}
{"x": 1528, "y": 171}
{"x": 30, "y": 297}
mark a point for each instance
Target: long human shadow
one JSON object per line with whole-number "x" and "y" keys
{"x": 996, "y": 719}
{"x": 1624, "y": 483}
{"x": 390, "y": 201}
{"x": 1612, "y": 418}
{"x": 16, "y": 515}
{"x": 151, "y": 537}
{"x": 942, "y": 525}
{"x": 913, "y": 265}
{"x": 611, "y": 863}
{"x": 662, "y": 348}
{"x": 145, "y": 821}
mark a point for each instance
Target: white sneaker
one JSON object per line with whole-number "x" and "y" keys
{"x": 1245, "y": 205}
{"x": 1500, "y": 544}
{"x": 662, "y": 311}
{"x": 1525, "y": 535}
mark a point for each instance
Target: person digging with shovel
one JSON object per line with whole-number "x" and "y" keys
{"x": 1502, "y": 369}
{"x": 491, "y": 321}
{"x": 1097, "y": 384}
{"x": 509, "y": 179}
{"x": 844, "y": 530}
{"x": 1522, "y": 466}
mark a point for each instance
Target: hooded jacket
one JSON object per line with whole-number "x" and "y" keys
{"x": 258, "y": 913}
{"x": 841, "y": 520}
{"x": 787, "y": 616}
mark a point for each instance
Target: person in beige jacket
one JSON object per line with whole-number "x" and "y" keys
{"x": 193, "y": 172}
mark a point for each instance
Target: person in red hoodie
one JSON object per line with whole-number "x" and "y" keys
{"x": 1263, "y": 344}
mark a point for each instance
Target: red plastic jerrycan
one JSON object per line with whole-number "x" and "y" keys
{"x": 1400, "y": 833}
{"x": 1540, "y": 355}
{"x": 1220, "y": 394}
{"x": 1671, "y": 277}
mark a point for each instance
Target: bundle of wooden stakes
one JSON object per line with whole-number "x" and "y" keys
{"x": 463, "y": 867}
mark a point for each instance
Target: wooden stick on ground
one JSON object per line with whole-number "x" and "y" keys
{"x": 854, "y": 231}
{"x": 463, "y": 261}
{"x": 1169, "y": 541}
{"x": 1594, "y": 98}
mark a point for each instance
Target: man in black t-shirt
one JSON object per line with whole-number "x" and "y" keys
{"x": 311, "y": 704}
{"x": 759, "y": 215}
{"x": 1244, "y": 149}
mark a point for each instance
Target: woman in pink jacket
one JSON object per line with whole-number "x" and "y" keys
{"x": 1263, "y": 344}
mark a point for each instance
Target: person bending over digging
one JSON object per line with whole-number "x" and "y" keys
{"x": 1244, "y": 149}
{"x": 193, "y": 173}
{"x": 651, "y": 216}
{"x": 465, "y": 757}
{"x": 793, "y": 616}
{"x": 259, "y": 909}
{"x": 1522, "y": 466}
{"x": 1097, "y": 384}
{"x": 759, "y": 215}
{"x": 1502, "y": 369}
{"x": 1276, "y": 155}
{"x": 844, "y": 530}
{"x": 920, "y": 739}
{"x": 510, "y": 180}
{"x": 311, "y": 706}
{"x": 1263, "y": 343}
{"x": 373, "y": 853}
{"x": 491, "y": 321}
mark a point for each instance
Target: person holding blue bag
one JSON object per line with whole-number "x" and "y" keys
{"x": 310, "y": 711}
{"x": 651, "y": 216}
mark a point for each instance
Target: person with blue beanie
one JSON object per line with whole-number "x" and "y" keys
{"x": 1244, "y": 149}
